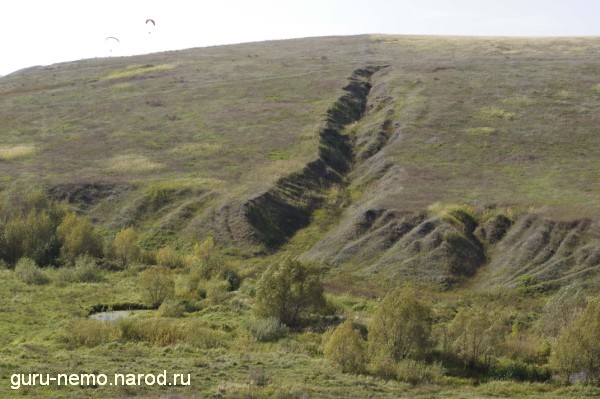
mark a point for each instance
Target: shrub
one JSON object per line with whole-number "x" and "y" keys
{"x": 346, "y": 349}
{"x": 268, "y": 329}
{"x": 561, "y": 310}
{"x": 79, "y": 237}
{"x": 416, "y": 372}
{"x": 233, "y": 279}
{"x": 520, "y": 371}
{"x": 156, "y": 285}
{"x": 578, "y": 347}
{"x": 217, "y": 291}
{"x": 28, "y": 272}
{"x": 84, "y": 270}
{"x": 125, "y": 246}
{"x": 33, "y": 237}
{"x": 401, "y": 327}
{"x": 171, "y": 308}
{"x": 169, "y": 258}
{"x": 288, "y": 291}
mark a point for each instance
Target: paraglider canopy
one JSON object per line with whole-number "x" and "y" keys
{"x": 112, "y": 43}
{"x": 150, "y": 21}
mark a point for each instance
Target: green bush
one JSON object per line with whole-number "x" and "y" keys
{"x": 233, "y": 279}
{"x": 520, "y": 371}
{"x": 169, "y": 258}
{"x": 217, "y": 291}
{"x": 33, "y": 237}
{"x": 417, "y": 372}
{"x": 477, "y": 333}
{"x": 27, "y": 271}
{"x": 288, "y": 291}
{"x": 401, "y": 327}
{"x": 171, "y": 308}
{"x": 156, "y": 285}
{"x": 125, "y": 246}
{"x": 79, "y": 237}
{"x": 578, "y": 346}
{"x": 346, "y": 349}
{"x": 84, "y": 270}
{"x": 268, "y": 329}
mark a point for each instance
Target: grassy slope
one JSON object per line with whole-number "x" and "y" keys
{"x": 487, "y": 121}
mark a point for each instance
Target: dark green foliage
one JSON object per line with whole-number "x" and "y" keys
{"x": 29, "y": 227}
{"x": 517, "y": 370}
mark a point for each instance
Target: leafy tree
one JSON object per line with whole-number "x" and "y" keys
{"x": 477, "y": 333}
{"x": 561, "y": 310}
{"x": 79, "y": 237}
{"x": 288, "y": 291}
{"x": 125, "y": 246}
{"x": 401, "y": 327}
{"x": 346, "y": 349}
{"x": 578, "y": 347}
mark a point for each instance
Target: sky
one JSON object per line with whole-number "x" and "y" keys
{"x": 43, "y": 32}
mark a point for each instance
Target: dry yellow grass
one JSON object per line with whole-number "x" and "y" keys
{"x": 132, "y": 163}
{"x": 17, "y": 151}
{"x": 481, "y": 131}
{"x": 134, "y": 70}
{"x": 488, "y": 113}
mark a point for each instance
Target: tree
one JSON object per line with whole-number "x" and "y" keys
{"x": 33, "y": 237}
{"x": 288, "y": 291}
{"x": 156, "y": 285}
{"x": 477, "y": 332}
{"x": 562, "y": 309}
{"x": 578, "y": 347}
{"x": 126, "y": 247}
{"x": 345, "y": 348}
{"x": 401, "y": 327}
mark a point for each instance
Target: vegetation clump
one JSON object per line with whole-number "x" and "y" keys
{"x": 289, "y": 290}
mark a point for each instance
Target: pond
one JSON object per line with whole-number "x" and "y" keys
{"x": 113, "y": 315}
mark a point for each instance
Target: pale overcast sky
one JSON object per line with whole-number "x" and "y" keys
{"x": 42, "y": 32}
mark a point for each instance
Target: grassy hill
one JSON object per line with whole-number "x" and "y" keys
{"x": 468, "y": 166}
